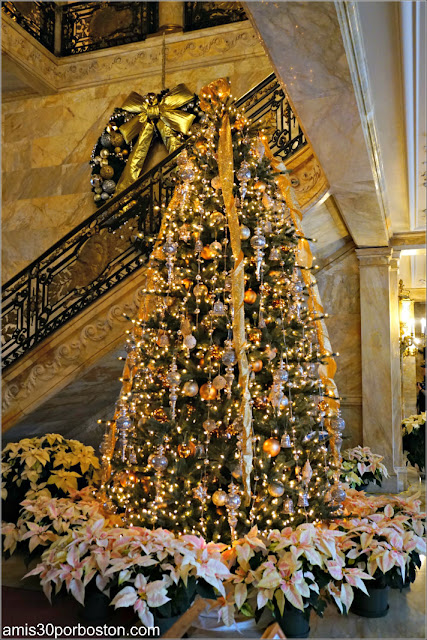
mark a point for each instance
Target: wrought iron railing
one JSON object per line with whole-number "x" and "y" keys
{"x": 37, "y": 18}
{"x": 200, "y": 15}
{"x": 114, "y": 242}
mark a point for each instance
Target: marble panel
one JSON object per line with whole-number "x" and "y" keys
{"x": 305, "y": 44}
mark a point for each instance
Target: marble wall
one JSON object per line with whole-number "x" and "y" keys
{"x": 48, "y": 139}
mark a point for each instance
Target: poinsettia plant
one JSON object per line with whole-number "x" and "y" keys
{"x": 285, "y": 569}
{"x": 44, "y": 519}
{"x": 156, "y": 573}
{"x": 414, "y": 440}
{"x": 50, "y": 465}
{"x": 360, "y": 466}
{"x": 405, "y": 510}
{"x": 383, "y": 544}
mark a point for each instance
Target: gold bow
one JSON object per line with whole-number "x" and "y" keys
{"x": 151, "y": 113}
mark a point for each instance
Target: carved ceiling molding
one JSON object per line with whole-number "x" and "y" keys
{"x": 227, "y": 43}
{"x": 50, "y": 366}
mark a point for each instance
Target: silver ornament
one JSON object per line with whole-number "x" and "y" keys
{"x": 288, "y": 506}
{"x": 276, "y": 489}
{"x": 158, "y": 462}
{"x": 218, "y": 308}
{"x": 105, "y": 195}
{"x": 109, "y": 186}
{"x": 303, "y": 499}
{"x": 190, "y": 342}
{"x": 219, "y": 382}
{"x": 209, "y": 425}
{"x": 106, "y": 140}
{"x": 285, "y": 442}
{"x": 245, "y": 233}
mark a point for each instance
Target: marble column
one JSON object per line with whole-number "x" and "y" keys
{"x": 381, "y": 379}
{"x": 171, "y": 17}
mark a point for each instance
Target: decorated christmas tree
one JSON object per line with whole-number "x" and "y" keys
{"x": 228, "y": 415}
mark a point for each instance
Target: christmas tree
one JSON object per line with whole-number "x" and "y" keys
{"x": 228, "y": 415}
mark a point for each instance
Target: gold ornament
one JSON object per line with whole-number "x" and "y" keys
{"x": 260, "y": 186}
{"x": 207, "y": 253}
{"x": 254, "y": 335}
{"x": 125, "y": 152}
{"x": 186, "y": 450}
{"x": 160, "y": 415}
{"x": 208, "y": 392}
{"x": 190, "y": 388}
{"x": 187, "y": 283}
{"x": 256, "y": 366}
{"x": 107, "y": 171}
{"x": 117, "y": 139}
{"x": 250, "y": 296}
{"x": 200, "y": 290}
{"x": 216, "y": 218}
{"x": 219, "y": 498}
{"x": 272, "y": 447}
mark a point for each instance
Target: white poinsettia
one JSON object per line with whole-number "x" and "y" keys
{"x": 144, "y": 596}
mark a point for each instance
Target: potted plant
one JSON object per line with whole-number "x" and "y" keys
{"x": 155, "y": 573}
{"x": 360, "y": 467}
{"x": 414, "y": 440}
{"x": 379, "y": 545}
{"x": 288, "y": 571}
{"x": 50, "y": 466}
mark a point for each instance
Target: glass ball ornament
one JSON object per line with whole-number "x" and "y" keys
{"x": 272, "y": 447}
{"x": 229, "y": 357}
{"x": 105, "y": 139}
{"x": 208, "y": 392}
{"x": 190, "y": 388}
{"x": 250, "y": 296}
{"x": 173, "y": 378}
{"x": 190, "y": 342}
{"x": 244, "y": 173}
{"x": 281, "y": 375}
{"x": 95, "y": 181}
{"x": 109, "y": 186}
{"x": 216, "y": 218}
{"x": 97, "y": 197}
{"x": 258, "y": 241}
{"x": 123, "y": 422}
{"x": 209, "y": 425}
{"x": 158, "y": 462}
{"x": 215, "y": 247}
{"x": 186, "y": 450}
{"x": 233, "y": 501}
{"x": 219, "y": 498}
{"x": 276, "y": 488}
{"x": 200, "y": 290}
{"x": 338, "y": 423}
{"x": 105, "y": 195}
{"x": 219, "y": 382}
{"x": 245, "y": 232}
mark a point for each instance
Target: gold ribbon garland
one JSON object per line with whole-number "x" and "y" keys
{"x": 153, "y": 113}
{"x": 226, "y": 175}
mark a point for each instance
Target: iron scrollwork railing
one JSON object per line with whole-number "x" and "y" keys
{"x": 201, "y": 15}
{"x": 89, "y": 26}
{"x": 114, "y": 242}
{"x": 37, "y": 18}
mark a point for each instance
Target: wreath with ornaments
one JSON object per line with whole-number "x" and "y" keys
{"x": 129, "y": 126}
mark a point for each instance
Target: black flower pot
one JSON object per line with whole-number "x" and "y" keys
{"x": 165, "y": 624}
{"x": 362, "y": 487}
{"x": 97, "y": 608}
{"x": 375, "y": 605}
{"x": 294, "y": 622}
